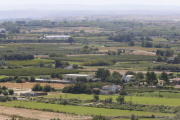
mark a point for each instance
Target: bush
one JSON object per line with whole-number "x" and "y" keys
{"x": 47, "y": 88}
{"x": 5, "y": 92}
{"x": 123, "y": 92}
{"x": 4, "y": 88}
{"x": 37, "y": 87}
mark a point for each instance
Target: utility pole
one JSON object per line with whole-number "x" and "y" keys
{"x": 131, "y": 102}
{"x": 20, "y": 99}
{"x": 66, "y": 91}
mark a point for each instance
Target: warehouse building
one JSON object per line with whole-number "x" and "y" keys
{"x": 57, "y": 37}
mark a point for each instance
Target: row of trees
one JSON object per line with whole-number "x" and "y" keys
{"x": 46, "y": 88}
{"x": 167, "y": 53}
{"x": 122, "y": 38}
{"x": 16, "y": 56}
{"x": 81, "y": 87}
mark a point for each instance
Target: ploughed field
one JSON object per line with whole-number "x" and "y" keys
{"x": 29, "y": 85}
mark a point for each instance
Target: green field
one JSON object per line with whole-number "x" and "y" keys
{"x": 164, "y": 94}
{"x": 135, "y": 99}
{"x": 30, "y": 62}
{"x": 81, "y": 110}
{"x": 2, "y": 76}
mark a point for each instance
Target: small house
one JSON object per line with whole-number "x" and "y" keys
{"x": 175, "y": 81}
{"x": 127, "y": 78}
{"x": 68, "y": 67}
{"x": 111, "y": 88}
{"x": 23, "y": 80}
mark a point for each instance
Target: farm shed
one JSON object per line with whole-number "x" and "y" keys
{"x": 73, "y": 77}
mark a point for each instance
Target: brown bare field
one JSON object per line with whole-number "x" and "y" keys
{"x": 122, "y": 72}
{"x": 139, "y": 52}
{"x": 29, "y": 85}
{"x": 70, "y": 29}
{"x": 41, "y": 56}
{"x": 103, "y": 49}
{"x": 6, "y": 112}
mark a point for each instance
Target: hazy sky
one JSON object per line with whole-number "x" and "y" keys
{"x": 92, "y": 2}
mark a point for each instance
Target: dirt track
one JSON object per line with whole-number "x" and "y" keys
{"x": 29, "y": 85}
{"x": 6, "y": 112}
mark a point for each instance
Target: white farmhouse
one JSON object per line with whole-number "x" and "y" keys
{"x": 127, "y": 78}
{"x": 111, "y": 88}
{"x": 73, "y": 77}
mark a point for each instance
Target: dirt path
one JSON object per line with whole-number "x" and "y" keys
{"x": 122, "y": 72}
{"x": 6, "y": 112}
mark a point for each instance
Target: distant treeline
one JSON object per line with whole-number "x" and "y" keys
{"x": 98, "y": 62}
{"x": 16, "y": 56}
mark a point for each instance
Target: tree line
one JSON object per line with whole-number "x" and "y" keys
{"x": 18, "y": 56}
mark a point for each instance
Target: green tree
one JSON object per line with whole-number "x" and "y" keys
{"x": 37, "y": 87}
{"x": 140, "y": 75}
{"x": 41, "y": 63}
{"x": 11, "y": 91}
{"x": 58, "y": 63}
{"x": 47, "y": 88}
{"x": 120, "y": 99}
{"x": 164, "y": 76}
{"x": 151, "y": 78}
{"x": 131, "y": 43}
{"x": 159, "y": 59}
{"x": 53, "y": 75}
{"x": 5, "y": 92}
{"x": 96, "y": 97}
{"x": 70, "y": 40}
{"x": 75, "y": 66}
{"x": 32, "y": 79}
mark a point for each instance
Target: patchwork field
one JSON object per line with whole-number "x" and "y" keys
{"x": 135, "y": 99}
{"x": 30, "y": 62}
{"x": 82, "y": 110}
{"x": 7, "y": 112}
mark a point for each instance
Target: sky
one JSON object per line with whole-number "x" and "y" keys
{"x": 92, "y": 2}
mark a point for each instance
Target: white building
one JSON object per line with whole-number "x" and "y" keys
{"x": 127, "y": 78}
{"x": 73, "y": 77}
{"x": 57, "y": 37}
{"x": 111, "y": 88}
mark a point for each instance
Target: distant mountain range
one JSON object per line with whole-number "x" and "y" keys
{"x": 37, "y": 11}
{"x": 89, "y": 7}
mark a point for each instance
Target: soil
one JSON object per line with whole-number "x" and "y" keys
{"x": 122, "y": 72}
{"x": 29, "y": 85}
{"x": 7, "y": 112}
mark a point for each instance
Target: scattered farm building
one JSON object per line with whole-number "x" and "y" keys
{"x": 50, "y": 81}
{"x": 57, "y": 37}
{"x": 177, "y": 87}
{"x": 161, "y": 82}
{"x": 107, "y": 89}
{"x": 127, "y": 78}
{"x": 34, "y": 94}
{"x": 73, "y": 77}
{"x": 68, "y": 67}
{"x": 77, "y": 49}
{"x": 175, "y": 81}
